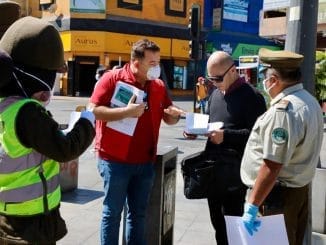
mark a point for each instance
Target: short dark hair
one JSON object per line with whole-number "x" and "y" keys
{"x": 289, "y": 75}
{"x": 139, "y": 48}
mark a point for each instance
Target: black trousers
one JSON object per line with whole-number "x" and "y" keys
{"x": 42, "y": 229}
{"x": 228, "y": 202}
{"x": 294, "y": 205}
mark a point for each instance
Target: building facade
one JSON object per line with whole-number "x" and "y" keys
{"x": 102, "y": 32}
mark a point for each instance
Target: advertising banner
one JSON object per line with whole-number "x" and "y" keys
{"x": 236, "y": 10}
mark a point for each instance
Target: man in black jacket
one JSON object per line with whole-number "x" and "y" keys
{"x": 237, "y": 104}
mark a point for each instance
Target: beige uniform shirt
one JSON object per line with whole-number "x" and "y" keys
{"x": 289, "y": 133}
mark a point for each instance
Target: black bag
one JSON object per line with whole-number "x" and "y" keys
{"x": 198, "y": 174}
{"x": 207, "y": 174}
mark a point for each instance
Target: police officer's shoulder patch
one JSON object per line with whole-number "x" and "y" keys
{"x": 282, "y": 105}
{"x": 279, "y": 136}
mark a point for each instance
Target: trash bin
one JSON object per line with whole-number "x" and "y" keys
{"x": 68, "y": 171}
{"x": 161, "y": 207}
{"x": 69, "y": 175}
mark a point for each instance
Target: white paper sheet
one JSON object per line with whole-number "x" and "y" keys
{"x": 121, "y": 96}
{"x": 197, "y": 123}
{"x": 271, "y": 231}
{"x": 74, "y": 116}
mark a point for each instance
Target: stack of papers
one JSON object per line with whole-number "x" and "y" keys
{"x": 271, "y": 231}
{"x": 197, "y": 123}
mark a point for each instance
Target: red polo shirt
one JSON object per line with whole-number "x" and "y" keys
{"x": 142, "y": 146}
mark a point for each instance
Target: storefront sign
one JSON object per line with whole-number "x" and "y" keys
{"x": 236, "y": 10}
{"x": 88, "y": 6}
{"x": 243, "y": 49}
{"x": 180, "y": 48}
{"x": 248, "y": 61}
{"x": 237, "y": 49}
{"x": 275, "y": 4}
{"x": 122, "y": 43}
{"x": 83, "y": 41}
{"x": 217, "y": 14}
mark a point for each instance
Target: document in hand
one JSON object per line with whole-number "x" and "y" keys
{"x": 197, "y": 123}
{"x": 121, "y": 97}
{"x": 74, "y": 117}
{"x": 271, "y": 231}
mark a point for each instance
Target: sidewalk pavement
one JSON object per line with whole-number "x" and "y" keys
{"x": 82, "y": 207}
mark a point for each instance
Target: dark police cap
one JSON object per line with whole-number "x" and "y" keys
{"x": 9, "y": 13}
{"x": 34, "y": 42}
{"x": 280, "y": 58}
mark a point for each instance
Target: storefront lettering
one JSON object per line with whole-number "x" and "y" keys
{"x": 248, "y": 51}
{"x": 185, "y": 48}
{"x": 129, "y": 43}
{"x": 85, "y": 41}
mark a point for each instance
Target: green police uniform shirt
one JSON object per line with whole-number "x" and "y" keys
{"x": 289, "y": 133}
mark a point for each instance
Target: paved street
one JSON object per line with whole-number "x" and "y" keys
{"x": 81, "y": 208}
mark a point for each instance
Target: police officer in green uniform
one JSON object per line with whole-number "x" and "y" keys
{"x": 282, "y": 152}
{"x": 31, "y": 142}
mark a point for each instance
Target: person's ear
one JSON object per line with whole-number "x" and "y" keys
{"x": 136, "y": 63}
{"x": 45, "y": 95}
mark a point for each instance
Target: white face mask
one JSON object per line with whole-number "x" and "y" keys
{"x": 154, "y": 72}
{"x": 97, "y": 77}
{"x": 265, "y": 87}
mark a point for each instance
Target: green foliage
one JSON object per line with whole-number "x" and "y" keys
{"x": 320, "y": 73}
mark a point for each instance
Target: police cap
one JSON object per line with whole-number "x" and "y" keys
{"x": 280, "y": 58}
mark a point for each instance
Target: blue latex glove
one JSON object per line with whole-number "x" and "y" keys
{"x": 249, "y": 218}
{"x": 89, "y": 116}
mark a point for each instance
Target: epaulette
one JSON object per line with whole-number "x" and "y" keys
{"x": 282, "y": 105}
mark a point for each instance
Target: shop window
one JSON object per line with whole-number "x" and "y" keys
{"x": 176, "y": 8}
{"x": 178, "y": 77}
{"x": 131, "y": 4}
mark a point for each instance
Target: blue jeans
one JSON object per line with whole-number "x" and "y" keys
{"x": 202, "y": 103}
{"x": 130, "y": 184}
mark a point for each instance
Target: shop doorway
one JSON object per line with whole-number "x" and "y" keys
{"x": 84, "y": 75}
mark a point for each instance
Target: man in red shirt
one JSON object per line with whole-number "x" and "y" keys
{"x": 126, "y": 157}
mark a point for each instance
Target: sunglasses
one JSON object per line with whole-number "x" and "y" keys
{"x": 218, "y": 79}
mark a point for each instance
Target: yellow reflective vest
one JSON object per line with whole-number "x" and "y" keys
{"x": 29, "y": 181}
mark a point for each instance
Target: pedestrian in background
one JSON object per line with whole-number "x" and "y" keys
{"x": 31, "y": 142}
{"x": 201, "y": 94}
{"x": 283, "y": 149}
{"x": 100, "y": 71}
{"x": 237, "y": 104}
{"x": 126, "y": 162}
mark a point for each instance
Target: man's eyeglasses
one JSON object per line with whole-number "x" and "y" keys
{"x": 218, "y": 79}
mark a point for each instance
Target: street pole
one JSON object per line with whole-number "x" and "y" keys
{"x": 301, "y": 38}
